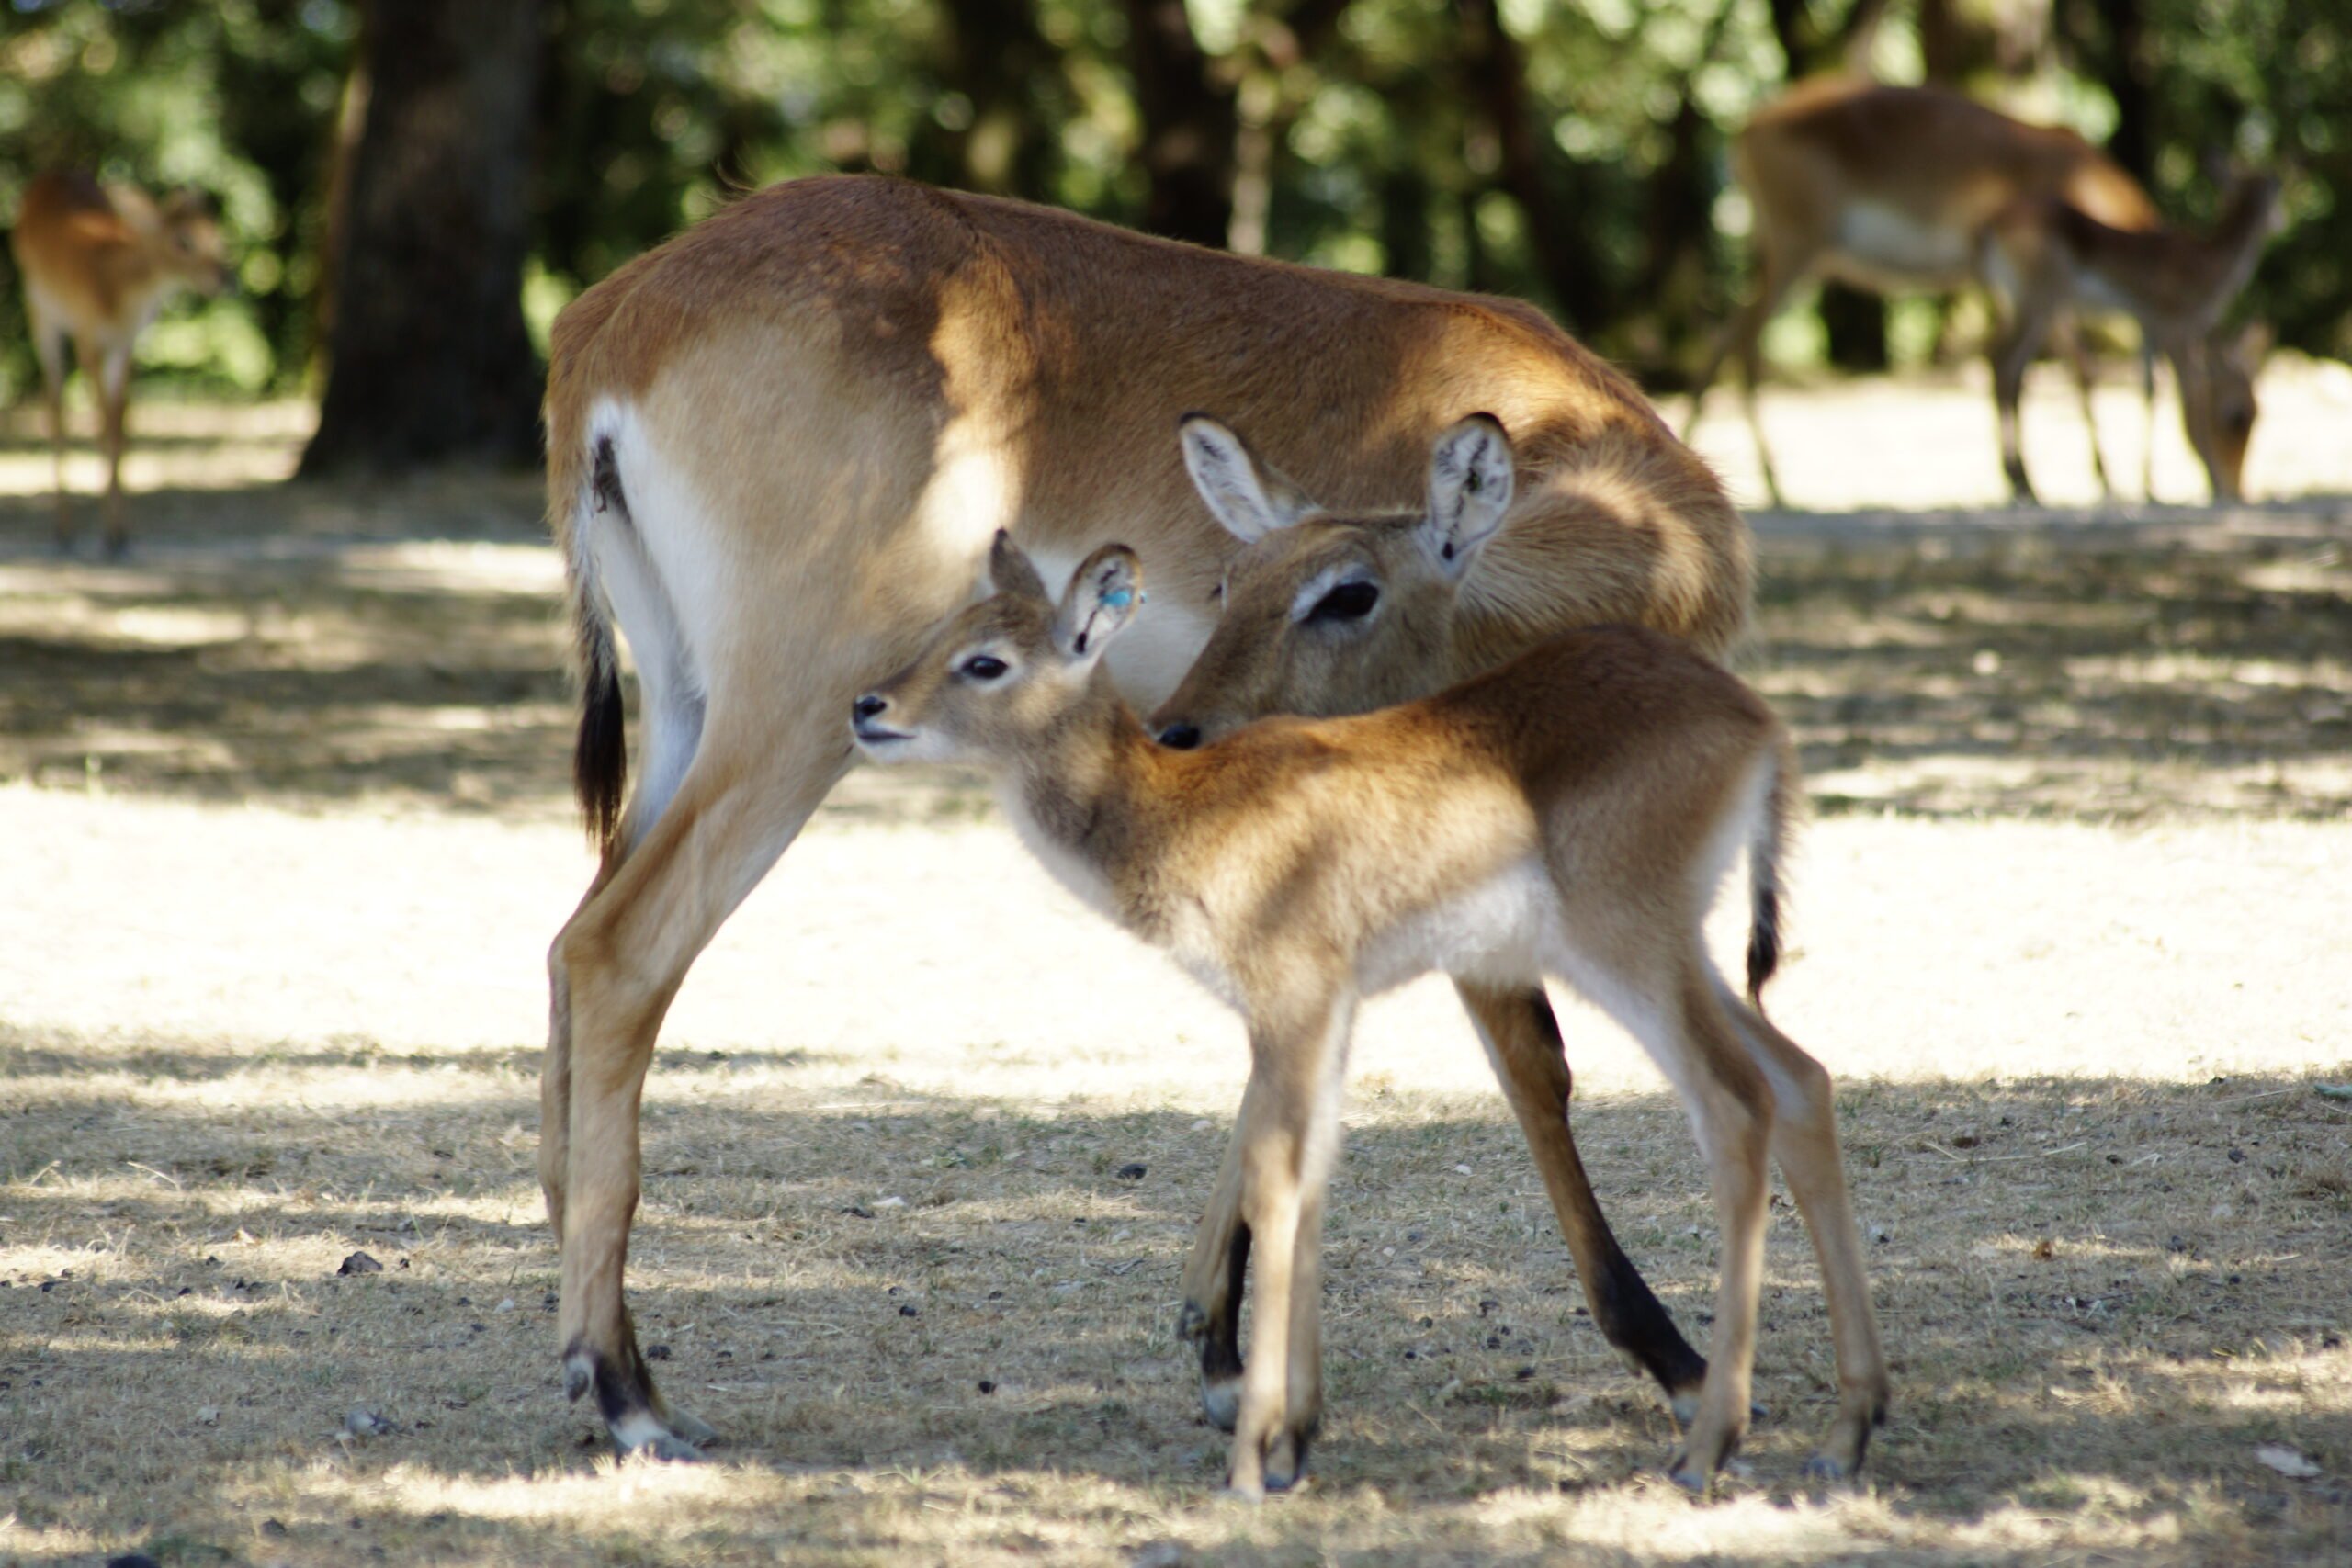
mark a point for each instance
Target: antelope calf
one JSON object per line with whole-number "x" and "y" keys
{"x": 98, "y": 263}
{"x": 1894, "y": 188}
{"x": 1568, "y": 814}
{"x": 1332, "y": 609}
{"x": 778, "y": 447}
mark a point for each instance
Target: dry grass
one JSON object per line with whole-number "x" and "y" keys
{"x": 289, "y": 837}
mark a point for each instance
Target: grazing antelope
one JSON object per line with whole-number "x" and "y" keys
{"x": 1569, "y": 812}
{"x": 778, "y": 447}
{"x": 1895, "y": 187}
{"x": 98, "y": 263}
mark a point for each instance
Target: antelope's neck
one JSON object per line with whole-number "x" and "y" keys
{"x": 1083, "y": 801}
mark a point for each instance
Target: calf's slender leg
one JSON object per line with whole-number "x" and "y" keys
{"x": 1805, "y": 1143}
{"x": 1289, "y": 1138}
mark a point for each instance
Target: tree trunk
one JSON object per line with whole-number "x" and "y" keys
{"x": 1497, "y": 86}
{"x": 428, "y": 361}
{"x": 1854, "y": 321}
{"x": 1189, "y": 126}
{"x": 2126, "y": 65}
{"x": 998, "y": 61}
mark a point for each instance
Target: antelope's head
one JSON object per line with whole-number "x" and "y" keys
{"x": 997, "y": 678}
{"x": 1325, "y": 613}
{"x": 194, "y": 250}
{"x": 2231, "y": 362}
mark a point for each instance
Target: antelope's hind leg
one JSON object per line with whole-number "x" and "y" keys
{"x": 1668, "y": 1004}
{"x": 1730, "y": 1104}
{"x": 1805, "y": 1142}
{"x": 616, "y": 965}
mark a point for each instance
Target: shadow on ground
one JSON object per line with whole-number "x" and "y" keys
{"x": 302, "y": 643}
{"x": 2100, "y": 1300}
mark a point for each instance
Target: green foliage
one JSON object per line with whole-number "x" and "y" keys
{"x": 2267, "y": 83}
{"x": 237, "y": 98}
{"x": 1381, "y": 149}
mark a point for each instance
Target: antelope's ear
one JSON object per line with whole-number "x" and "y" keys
{"x": 1251, "y": 501}
{"x": 1010, "y": 572}
{"x": 1470, "y": 485}
{"x": 1104, "y": 595}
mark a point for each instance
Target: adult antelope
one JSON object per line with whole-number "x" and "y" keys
{"x": 98, "y": 263}
{"x": 1895, "y": 187}
{"x": 1569, "y": 812}
{"x": 778, "y": 447}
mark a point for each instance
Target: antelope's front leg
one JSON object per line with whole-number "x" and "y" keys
{"x": 1211, "y": 1315}
{"x": 1288, "y": 1139}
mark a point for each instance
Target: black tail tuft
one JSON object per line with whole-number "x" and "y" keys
{"x": 1782, "y": 800}
{"x": 600, "y": 756}
{"x": 1763, "y": 943}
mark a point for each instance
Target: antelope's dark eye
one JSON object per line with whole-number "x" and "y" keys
{"x": 981, "y": 667}
{"x": 1348, "y": 601}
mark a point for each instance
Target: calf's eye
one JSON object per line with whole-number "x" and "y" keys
{"x": 982, "y": 667}
{"x": 1348, "y": 601}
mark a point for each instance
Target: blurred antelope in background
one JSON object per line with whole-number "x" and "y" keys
{"x": 1569, "y": 812}
{"x": 98, "y": 263}
{"x": 778, "y": 447}
{"x": 1917, "y": 187}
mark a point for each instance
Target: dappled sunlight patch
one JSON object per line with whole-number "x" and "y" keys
{"x": 638, "y": 1492}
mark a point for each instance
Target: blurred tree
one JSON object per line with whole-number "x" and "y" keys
{"x": 1188, "y": 126}
{"x": 1504, "y": 136}
{"x": 428, "y": 360}
{"x": 1853, "y": 319}
{"x": 1571, "y": 151}
{"x": 2111, "y": 41}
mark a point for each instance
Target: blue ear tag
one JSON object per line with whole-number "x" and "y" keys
{"x": 1118, "y": 599}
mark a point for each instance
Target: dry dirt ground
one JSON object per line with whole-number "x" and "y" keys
{"x": 285, "y": 837}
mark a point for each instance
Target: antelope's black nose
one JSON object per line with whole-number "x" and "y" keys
{"x": 868, "y": 705}
{"x": 1181, "y": 737}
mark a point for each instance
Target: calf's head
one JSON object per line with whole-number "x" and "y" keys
{"x": 1325, "y": 612}
{"x": 1000, "y": 675}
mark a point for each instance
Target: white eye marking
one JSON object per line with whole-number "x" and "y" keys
{"x": 1323, "y": 583}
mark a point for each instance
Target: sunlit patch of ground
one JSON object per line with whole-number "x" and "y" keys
{"x": 287, "y": 837}
{"x": 173, "y": 445}
{"x": 1919, "y": 444}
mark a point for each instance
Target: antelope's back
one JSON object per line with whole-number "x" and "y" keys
{"x": 1088, "y": 340}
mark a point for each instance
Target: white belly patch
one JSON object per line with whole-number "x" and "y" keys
{"x": 1498, "y": 932}
{"x": 1880, "y": 243}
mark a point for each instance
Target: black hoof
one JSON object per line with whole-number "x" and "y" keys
{"x": 1287, "y": 1465}
{"x": 1683, "y": 1473}
{"x": 1221, "y": 1400}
